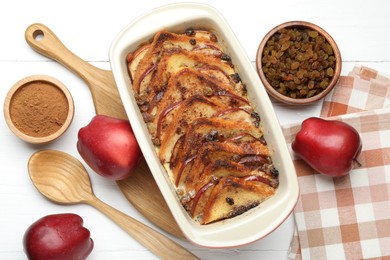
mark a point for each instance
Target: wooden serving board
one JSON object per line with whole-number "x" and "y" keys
{"x": 140, "y": 189}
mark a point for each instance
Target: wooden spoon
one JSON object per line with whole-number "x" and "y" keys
{"x": 63, "y": 179}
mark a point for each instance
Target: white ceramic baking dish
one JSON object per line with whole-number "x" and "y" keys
{"x": 255, "y": 223}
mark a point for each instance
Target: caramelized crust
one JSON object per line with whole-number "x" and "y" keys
{"x": 233, "y": 196}
{"x": 220, "y": 159}
{"x": 206, "y": 133}
{"x": 204, "y": 130}
{"x": 184, "y": 84}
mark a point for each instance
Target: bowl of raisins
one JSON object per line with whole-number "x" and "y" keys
{"x": 298, "y": 62}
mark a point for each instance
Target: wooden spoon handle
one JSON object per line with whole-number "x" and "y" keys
{"x": 44, "y": 41}
{"x": 156, "y": 242}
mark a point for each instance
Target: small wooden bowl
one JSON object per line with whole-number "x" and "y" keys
{"x": 26, "y": 98}
{"x": 298, "y": 101}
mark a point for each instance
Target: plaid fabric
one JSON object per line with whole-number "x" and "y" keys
{"x": 364, "y": 89}
{"x": 349, "y": 217}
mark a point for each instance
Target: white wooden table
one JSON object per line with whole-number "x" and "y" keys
{"x": 360, "y": 27}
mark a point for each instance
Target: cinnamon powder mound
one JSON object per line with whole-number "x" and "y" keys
{"x": 39, "y": 109}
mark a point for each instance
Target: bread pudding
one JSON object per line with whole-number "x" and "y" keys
{"x": 206, "y": 132}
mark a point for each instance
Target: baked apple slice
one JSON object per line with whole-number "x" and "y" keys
{"x": 165, "y": 41}
{"x": 219, "y": 154}
{"x": 204, "y": 130}
{"x": 230, "y": 197}
{"x": 184, "y": 84}
{"x": 160, "y": 122}
{"x": 155, "y": 79}
{"x": 173, "y": 124}
{"x": 134, "y": 58}
{"x": 205, "y": 42}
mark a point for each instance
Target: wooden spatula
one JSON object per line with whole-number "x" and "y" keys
{"x": 140, "y": 189}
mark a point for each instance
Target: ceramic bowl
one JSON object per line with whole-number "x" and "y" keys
{"x": 282, "y": 97}
{"x": 32, "y": 88}
{"x": 253, "y": 224}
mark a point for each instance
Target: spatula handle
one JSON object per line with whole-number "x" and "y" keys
{"x": 101, "y": 82}
{"x": 156, "y": 242}
{"x": 44, "y": 41}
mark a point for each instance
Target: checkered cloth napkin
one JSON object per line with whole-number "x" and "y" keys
{"x": 348, "y": 217}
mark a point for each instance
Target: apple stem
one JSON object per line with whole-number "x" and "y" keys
{"x": 357, "y": 162}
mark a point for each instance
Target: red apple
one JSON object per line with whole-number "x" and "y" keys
{"x": 58, "y": 237}
{"x": 328, "y": 146}
{"x": 109, "y": 147}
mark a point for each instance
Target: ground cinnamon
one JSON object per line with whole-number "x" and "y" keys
{"x": 39, "y": 109}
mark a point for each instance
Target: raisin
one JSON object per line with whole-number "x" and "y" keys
{"x": 257, "y": 118}
{"x": 225, "y": 57}
{"x": 190, "y": 32}
{"x": 212, "y": 136}
{"x": 230, "y": 201}
{"x": 295, "y": 65}
{"x": 274, "y": 172}
{"x": 236, "y": 77}
{"x": 263, "y": 141}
